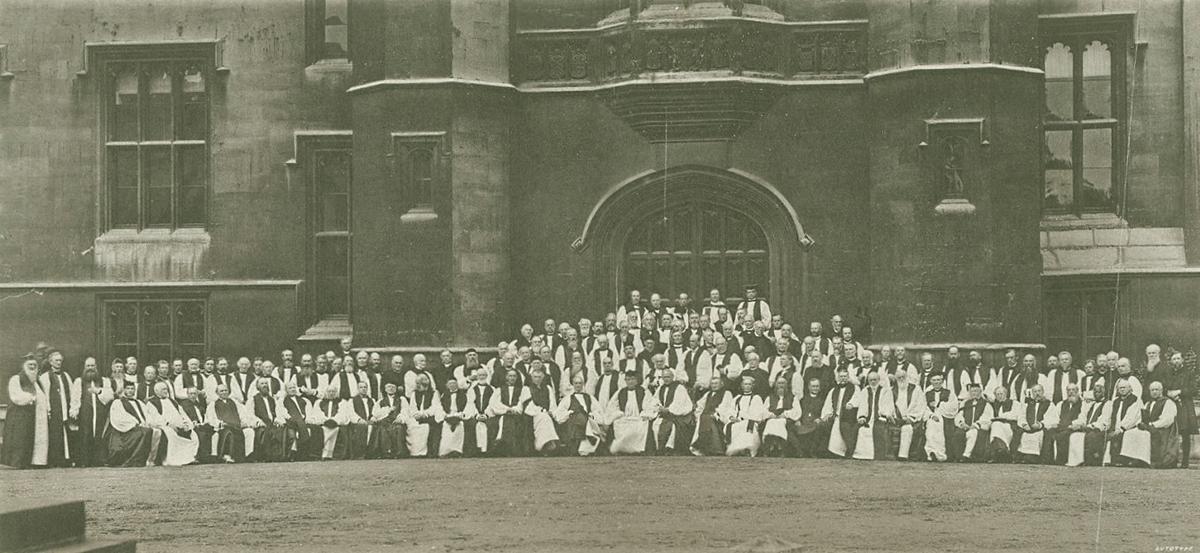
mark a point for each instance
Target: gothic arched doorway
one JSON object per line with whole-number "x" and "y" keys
{"x": 693, "y": 228}
{"x": 693, "y": 247}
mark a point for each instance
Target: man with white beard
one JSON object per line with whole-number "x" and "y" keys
{"x": 875, "y": 409}
{"x": 911, "y": 412}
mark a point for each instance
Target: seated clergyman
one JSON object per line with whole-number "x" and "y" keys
{"x": 1037, "y": 415}
{"x": 709, "y": 436}
{"x": 1004, "y": 425}
{"x": 132, "y": 435}
{"x": 875, "y": 410}
{"x": 424, "y": 423}
{"x": 541, "y": 400}
{"x": 742, "y": 415}
{"x": 1155, "y": 440}
{"x": 672, "y": 426}
{"x": 782, "y": 413}
{"x": 179, "y": 445}
{"x": 391, "y": 412}
{"x": 629, "y": 414}
{"x": 1086, "y": 441}
{"x": 330, "y": 415}
{"x": 972, "y": 425}
{"x": 579, "y": 419}
{"x": 232, "y": 425}
{"x": 270, "y": 438}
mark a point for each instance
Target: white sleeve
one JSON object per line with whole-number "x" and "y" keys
{"x": 76, "y": 399}
{"x": 18, "y": 395}
{"x": 1168, "y": 415}
{"x": 120, "y": 420}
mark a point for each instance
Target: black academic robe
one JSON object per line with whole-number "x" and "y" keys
{"x": 59, "y": 394}
{"x": 388, "y": 436}
{"x": 682, "y": 425}
{"x": 17, "y": 449}
{"x": 89, "y": 448}
{"x": 194, "y": 411}
{"x": 772, "y": 446}
{"x": 132, "y": 448}
{"x": 230, "y": 440}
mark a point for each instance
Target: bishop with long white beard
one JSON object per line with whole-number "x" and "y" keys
{"x": 181, "y": 442}
{"x": 782, "y": 413}
{"x": 425, "y": 423}
{"x": 629, "y": 413}
{"x": 875, "y": 408}
{"x": 742, "y": 415}
{"x": 911, "y": 411}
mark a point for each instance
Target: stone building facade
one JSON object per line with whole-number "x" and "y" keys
{"x": 230, "y": 178}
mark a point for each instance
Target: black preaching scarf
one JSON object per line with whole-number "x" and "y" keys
{"x": 613, "y": 382}
{"x": 1072, "y": 377}
{"x": 362, "y": 406}
{"x": 192, "y": 412}
{"x": 295, "y": 408}
{"x": 193, "y": 380}
{"x": 264, "y": 409}
{"x": 483, "y": 396}
{"x": 1070, "y": 411}
{"x": 581, "y": 403}
{"x": 134, "y": 408}
{"x": 1096, "y": 409}
{"x": 974, "y": 410}
{"x": 777, "y": 404}
{"x": 344, "y": 385}
{"x": 666, "y": 394}
{"x": 935, "y": 397}
{"x": 454, "y": 401}
{"x": 623, "y": 396}
{"x": 328, "y": 407}
{"x": 227, "y": 412}
{"x": 1119, "y": 409}
{"x": 1154, "y": 410}
{"x": 1036, "y": 411}
{"x": 540, "y": 396}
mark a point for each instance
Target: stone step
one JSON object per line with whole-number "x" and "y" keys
{"x": 95, "y": 546}
{"x": 40, "y": 525}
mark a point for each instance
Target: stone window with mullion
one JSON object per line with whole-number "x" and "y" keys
{"x": 156, "y": 141}
{"x": 1084, "y": 116}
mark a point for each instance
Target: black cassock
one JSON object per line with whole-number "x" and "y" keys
{"x": 90, "y": 448}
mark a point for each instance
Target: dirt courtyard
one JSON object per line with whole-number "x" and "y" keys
{"x": 628, "y": 504}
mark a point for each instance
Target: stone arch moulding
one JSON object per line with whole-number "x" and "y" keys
{"x": 631, "y": 200}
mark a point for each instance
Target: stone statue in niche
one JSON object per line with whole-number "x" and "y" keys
{"x": 952, "y": 168}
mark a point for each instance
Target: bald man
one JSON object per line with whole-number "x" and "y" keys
{"x": 1154, "y": 441}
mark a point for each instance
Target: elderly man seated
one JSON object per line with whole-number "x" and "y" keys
{"x": 180, "y": 444}
{"x": 1154, "y": 441}
{"x": 233, "y": 426}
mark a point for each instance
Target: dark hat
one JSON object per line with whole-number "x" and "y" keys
{"x": 28, "y": 357}
{"x": 472, "y": 350}
{"x": 752, "y": 287}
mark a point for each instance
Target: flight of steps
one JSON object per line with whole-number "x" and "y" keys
{"x": 57, "y": 527}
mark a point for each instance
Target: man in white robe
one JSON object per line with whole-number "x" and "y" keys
{"x": 1038, "y": 415}
{"x": 709, "y": 435}
{"x": 742, "y": 415}
{"x": 629, "y": 413}
{"x": 456, "y": 408}
{"x": 911, "y": 411}
{"x": 673, "y": 426}
{"x": 839, "y": 415}
{"x": 480, "y": 425}
{"x": 232, "y": 424}
{"x": 193, "y": 379}
{"x": 132, "y": 436}
{"x": 1154, "y": 442}
{"x": 1125, "y": 374}
{"x": 331, "y": 414}
{"x": 755, "y": 307}
{"x": 1086, "y": 441}
{"x": 542, "y": 399}
{"x": 424, "y": 425}
{"x": 1125, "y": 414}
{"x": 579, "y": 417}
{"x": 875, "y": 411}
{"x": 1004, "y": 425}
{"x": 181, "y": 441}
{"x": 942, "y": 408}
{"x": 971, "y": 426}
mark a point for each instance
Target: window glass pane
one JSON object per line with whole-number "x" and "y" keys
{"x": 156, "y": 322}
{"x": 1097, "y": 169}
{"x": 192, "y": 196}
{"x": 1057, "y": 167}
{"x": 190, "y": 321}
{"x": 1097, "y": 81}
{"x": 333, "y": 185}
{"x": 123, "y": 186}
{"x": 1060, "y": 71}
{"x": 156, "y": 114}
{"x": 422, "y": 177}
{"x": 193, "y": 120}
{"x": 337, "y": 45}
{"x": 1101, "y": 313}
{"x": 333, "y": 271}
{"x": 122, "y": 323}
{"x": 157, "y": 183}
{"x": 122, "y": 118}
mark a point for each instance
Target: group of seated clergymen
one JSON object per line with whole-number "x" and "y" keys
{"x": 648, "y": 379}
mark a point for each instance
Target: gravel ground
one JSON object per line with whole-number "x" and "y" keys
{"x": 628, "y": 504}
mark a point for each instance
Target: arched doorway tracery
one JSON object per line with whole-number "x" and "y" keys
{"x": 733, "y": 198}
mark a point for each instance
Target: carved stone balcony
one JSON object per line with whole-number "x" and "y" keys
{"x": 689, "y": 49}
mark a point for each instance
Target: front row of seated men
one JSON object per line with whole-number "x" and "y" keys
{"x": 888, "y": 418}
